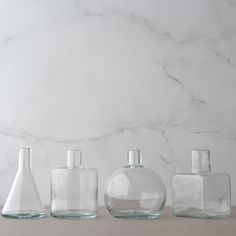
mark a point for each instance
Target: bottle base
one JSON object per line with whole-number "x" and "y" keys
{"x": 24, "y": 215}
{"x": 74, "y": 214}
{"x": 193, "y": 213}
{"x": 135, "y": 214}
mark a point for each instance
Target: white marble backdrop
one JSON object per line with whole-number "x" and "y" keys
{"x": 110, "y": 75}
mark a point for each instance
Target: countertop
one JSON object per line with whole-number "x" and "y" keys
{"x": 103, "y": 225}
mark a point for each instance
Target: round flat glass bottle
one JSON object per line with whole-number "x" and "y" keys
{"x": 74, "y": 189}
{"x": 134, "y": 191}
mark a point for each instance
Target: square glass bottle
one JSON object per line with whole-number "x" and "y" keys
{"x": 201, "y": 193}
{"x": 74, "y": 189}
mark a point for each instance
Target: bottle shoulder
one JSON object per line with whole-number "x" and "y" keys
{"x": 133, "y": 169}
{"x": 202, "y": 175}
{"x": 131, "y": 175}
{"x": 134, "y": 182}
{"x": 79, "y": 169}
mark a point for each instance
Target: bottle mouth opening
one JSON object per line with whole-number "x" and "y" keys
{"x": 25, "y": 151}
{"x": 25, "y": 158}
{"x": 200, "y": 161}
{"x": 135, "y": 157}
{"x": 74, "y": 158}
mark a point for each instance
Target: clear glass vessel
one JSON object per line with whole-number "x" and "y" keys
{"x": 201, "y": 193}
{"x": 134, "y": 191}
{"x": 23, "y": 201}
{"x": 74, "y": 189}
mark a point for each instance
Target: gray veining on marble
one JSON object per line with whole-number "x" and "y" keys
{"x": 107, "y": 76}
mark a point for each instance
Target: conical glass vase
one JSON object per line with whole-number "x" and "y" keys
{"x": 23, "y": 201}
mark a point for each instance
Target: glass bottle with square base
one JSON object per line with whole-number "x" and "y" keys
{"x": 134, "y": 191}
{"x": 23, "y": 201}
{"x": 74, "y": 189}
{"x": 201, "y": 193}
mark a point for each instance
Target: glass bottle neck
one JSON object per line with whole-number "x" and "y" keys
{"x": 74, "y": 159}
{"x": 200, "y": 161}
{"x": 25, "y": 159}
{"x": 134, "y": 158}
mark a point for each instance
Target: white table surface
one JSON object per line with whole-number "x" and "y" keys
{"x": 166, "y": 224}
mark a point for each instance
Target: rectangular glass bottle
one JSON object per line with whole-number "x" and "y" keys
{"x": 74, "y": 189}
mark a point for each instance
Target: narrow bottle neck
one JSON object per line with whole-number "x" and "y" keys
{"x": 134, "y": 158}
{"x": 200, "y": 161}
{"x": 25, "y": 159}
{"x": 74, "y": 159}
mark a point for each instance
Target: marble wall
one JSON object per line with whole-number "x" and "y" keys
{"x": 111, "y": 75}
